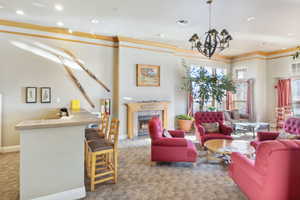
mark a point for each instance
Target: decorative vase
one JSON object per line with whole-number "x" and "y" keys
{"x": 185, "y": 125}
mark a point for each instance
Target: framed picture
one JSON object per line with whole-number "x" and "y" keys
{"x": 45, "y": 95}
{"x": 148, "y": 75}
{"x": 31, "y": 95}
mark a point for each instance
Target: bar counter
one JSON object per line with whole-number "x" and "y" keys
{"x": 52, "y": 157}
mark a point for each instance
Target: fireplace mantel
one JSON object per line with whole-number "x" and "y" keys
{"x": 134, "y": 107}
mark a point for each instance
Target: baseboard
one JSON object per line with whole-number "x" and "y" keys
{"x": 9, "y": 149}
{"x": 66, "y": 195}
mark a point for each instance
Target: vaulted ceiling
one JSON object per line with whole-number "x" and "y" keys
{"x": 264, "y": 25}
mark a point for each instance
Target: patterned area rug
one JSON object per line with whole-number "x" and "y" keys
{"x": 138, "y": 180}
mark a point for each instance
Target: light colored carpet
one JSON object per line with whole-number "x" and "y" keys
{"x": 138, "y": 180}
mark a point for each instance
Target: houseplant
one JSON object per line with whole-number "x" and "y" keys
{"x": 185, "y": 122}
{"x": 205, "y": 86}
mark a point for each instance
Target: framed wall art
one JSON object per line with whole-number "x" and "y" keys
{"x": 31, "y": 95}
{"x": 45, "y": 95}
{"x": 148, "y": 75}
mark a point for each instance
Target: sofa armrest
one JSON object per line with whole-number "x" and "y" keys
{"x": 178, "y": 142}
{"x": 262, "y": 136}
{"x": 241, "y": 162}
{"x": 200, "y": 129}
{"x": 177, "y": 133}
{"x": 226, "y": 130}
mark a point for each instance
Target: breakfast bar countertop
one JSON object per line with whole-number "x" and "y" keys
{"x": 76, "y": 118}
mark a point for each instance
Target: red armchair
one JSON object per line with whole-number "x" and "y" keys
{"x": 275, "y": 173}
{"x": 291, "y": 125}
{"x": 175, "y": 149}
{"x": 210, "y": 117}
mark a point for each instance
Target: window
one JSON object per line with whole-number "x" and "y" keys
{"x": 211, "y": 70}
{"x": 296, "y": 68}
{"x": 240, "y": 74}
{"x": 240, "y": 98}
{"x": 296, "y": 96}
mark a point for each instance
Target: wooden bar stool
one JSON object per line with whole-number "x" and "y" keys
{"x": 97, "y": 133}
{"x": 102, "y": 162}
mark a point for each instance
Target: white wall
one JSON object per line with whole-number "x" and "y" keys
{"x": 171, "y": 73}
{"x": 20, "y": 69}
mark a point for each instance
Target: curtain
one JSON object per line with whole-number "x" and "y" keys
{"x": 190, "y": 104}
{"x": 284, "y": 101}
{"x": 284, "y": 93}
{"x": 250, "y": 99}
{"x": 229, "y": 100}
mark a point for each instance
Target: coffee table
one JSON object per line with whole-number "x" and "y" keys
{"x": 221, "y": 149}
{"x": 251, "y": 126}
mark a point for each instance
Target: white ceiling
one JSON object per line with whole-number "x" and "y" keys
{"x": 276, "y": 23}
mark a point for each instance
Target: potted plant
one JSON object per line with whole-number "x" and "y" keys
{"x": 185, "y": 122}
{"x": 204, "y": 86}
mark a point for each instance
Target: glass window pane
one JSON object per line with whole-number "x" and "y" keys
{"x": 242, "y": 106}
{"x": 296, "y": 90}
{"x": 296, "y": 109}
{"x": 240, "y": 74}
{"x": 241, "y": 92}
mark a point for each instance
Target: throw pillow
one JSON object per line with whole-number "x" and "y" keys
{"x": 227, "y": 115}
{"x": 236, "y": 114}
{"x": 166, "y": 133}
{"x": 211, "y": 127}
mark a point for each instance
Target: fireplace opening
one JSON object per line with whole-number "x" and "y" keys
{"x": 143, "y": 124}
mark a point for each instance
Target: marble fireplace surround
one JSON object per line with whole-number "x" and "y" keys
{"x": 134, "y": 107}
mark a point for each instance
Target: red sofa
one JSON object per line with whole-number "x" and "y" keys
{"x": 210, "y": 117}
{"x": 291, "y": 125}
{"x": 175, "y": 149}
{"x": 274, "y": 175}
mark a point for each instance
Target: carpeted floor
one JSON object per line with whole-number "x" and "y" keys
{"x": 138, "y": 180}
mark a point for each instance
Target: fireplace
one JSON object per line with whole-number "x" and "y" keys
{"x": 143, "y": 120}
{"x": 139, "y": 114}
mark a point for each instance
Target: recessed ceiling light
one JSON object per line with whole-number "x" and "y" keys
{"x": 95, "y": 21}
{"x": 58, "y": 7}
{"x": 38, "y": 4}
{"x": 20, "y": 12}
{"x": 59, "y": 23}
{"x": 182, "y": 22}
{"x": 249, "y": 19}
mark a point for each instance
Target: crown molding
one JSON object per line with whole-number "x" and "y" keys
{"x": 50, "y": 29}
{"x": 174, "y": 48}
{"x": 264, "y": 54}
{"x": 145, "y": 42}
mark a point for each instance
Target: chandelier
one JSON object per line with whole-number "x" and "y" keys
{"x": 212, "y": 40}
